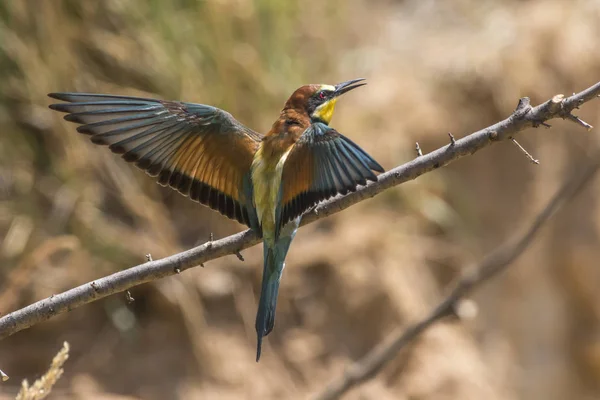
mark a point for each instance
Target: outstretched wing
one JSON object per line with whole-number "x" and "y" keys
{"x": 321, "y": 164}
{"x": 199, "y": 150}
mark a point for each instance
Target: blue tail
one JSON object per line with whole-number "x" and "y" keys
{"x": 273, "y": 268}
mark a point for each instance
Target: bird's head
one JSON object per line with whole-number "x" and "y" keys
{"x": 318, "y": 101}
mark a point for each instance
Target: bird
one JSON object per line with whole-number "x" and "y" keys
{"x": 266, "y": 182}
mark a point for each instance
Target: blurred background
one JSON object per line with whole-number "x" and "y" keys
{"x": 71, "y": 212}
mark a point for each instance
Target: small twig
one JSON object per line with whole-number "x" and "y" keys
{"x": 579, "y": 121}
{"x": 494, "y": 263}
{"x": 418, "y": 149}
{"x": 149, "y": 257}
{"x": 529, "y": 156}
{"x": 452, "y": 139}
{"x": 3, "y": 376}
{"x": 239, "y": 256}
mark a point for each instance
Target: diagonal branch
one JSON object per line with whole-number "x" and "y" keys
{"x": 524, "y": 117}
{"x": 494, "y": 263}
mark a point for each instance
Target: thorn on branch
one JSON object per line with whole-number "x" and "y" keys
{"x": 129, "y": 297}
{"x": 529, "y": 156}
{"x": 452, "y": 139}
{"x": 523, "y": 107}
{"x": 178, "y": 271}
{"x": 418, "y": 149}
{"x": 211, "y": 238}
{"x": 149, "y": 257}
{"x": 3, "y": 376}
{"x": 239, "y": 256}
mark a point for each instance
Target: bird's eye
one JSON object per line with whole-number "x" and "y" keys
{"x": 322, "y": 95}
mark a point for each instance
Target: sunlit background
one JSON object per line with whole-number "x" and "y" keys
{"x": 71, "y": 212}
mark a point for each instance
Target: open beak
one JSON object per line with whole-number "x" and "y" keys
{"x": 347, "y": 86}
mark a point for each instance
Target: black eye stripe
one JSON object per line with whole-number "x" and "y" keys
{"x": 318, "y": 98}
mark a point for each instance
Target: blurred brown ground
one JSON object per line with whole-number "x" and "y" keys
{"x": 71, "y": 212}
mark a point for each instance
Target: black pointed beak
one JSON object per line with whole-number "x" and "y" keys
{"x": 347, "y": 86}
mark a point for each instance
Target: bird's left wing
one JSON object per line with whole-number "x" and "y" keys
{"x": 199, "y": 150}
{"x": 321, "y": 164}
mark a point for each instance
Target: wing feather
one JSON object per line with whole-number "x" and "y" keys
{"x": 198, "y": 150}
{"x": 321, "y": 164}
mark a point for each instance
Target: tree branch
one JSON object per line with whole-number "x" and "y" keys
{"x": 524, "y": 116}
{"x": 494, "y": 263}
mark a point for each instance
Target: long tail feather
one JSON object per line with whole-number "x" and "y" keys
{"x": 265, "y": 318}
{"x": 273, "y": 268}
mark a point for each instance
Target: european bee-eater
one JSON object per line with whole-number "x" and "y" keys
{"x": 266, "y": 182}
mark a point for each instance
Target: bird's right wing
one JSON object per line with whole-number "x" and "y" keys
{"x": 199, "y": 150}
{"x": 321, "y": 164}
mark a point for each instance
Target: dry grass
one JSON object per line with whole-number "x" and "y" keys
{"x": 70, "y": 212}
{"x": 42, "y": 387}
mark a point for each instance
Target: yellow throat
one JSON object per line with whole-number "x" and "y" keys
{"x": 325, "y": 111}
